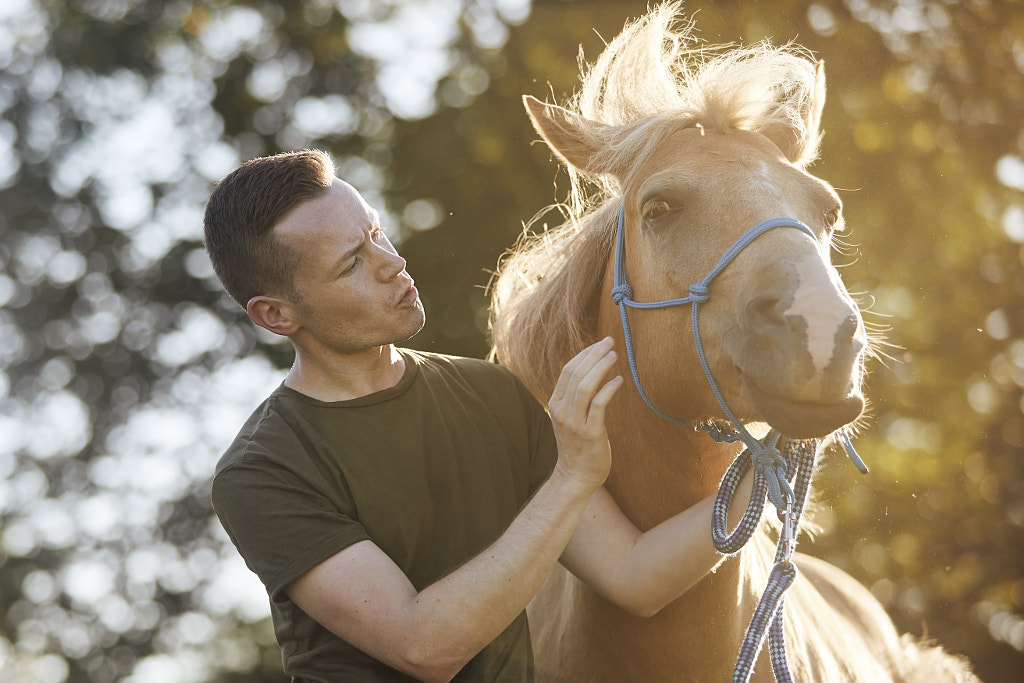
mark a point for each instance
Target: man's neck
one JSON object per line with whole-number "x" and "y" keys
{"x": 342, "y": 377}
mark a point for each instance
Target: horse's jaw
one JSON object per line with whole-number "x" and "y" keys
{"x": 799, "y": 419}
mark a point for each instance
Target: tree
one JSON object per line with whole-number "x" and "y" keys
{"x": 124, "y": 366}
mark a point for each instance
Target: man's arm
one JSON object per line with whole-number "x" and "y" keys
{"x": 364, "y": 598}
{"x": 642, "y": 572}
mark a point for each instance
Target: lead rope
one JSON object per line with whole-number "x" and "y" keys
{"x": 767, "y": 620}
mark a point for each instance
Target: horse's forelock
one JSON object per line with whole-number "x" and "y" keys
{"x": 655, "y": 78}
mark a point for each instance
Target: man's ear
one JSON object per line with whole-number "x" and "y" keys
{"x": 272, "y": 313}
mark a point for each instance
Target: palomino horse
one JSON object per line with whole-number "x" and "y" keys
{"x": 695, "y": 147}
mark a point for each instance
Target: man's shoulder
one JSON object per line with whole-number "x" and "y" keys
{"x": 445, "y": 363}
{"x": 258, "y": 434}
{"x": 492, "y": 384}
{"x": 487, "y": 379}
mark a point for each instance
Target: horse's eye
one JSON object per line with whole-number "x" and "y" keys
{"x": 655, "y": 209}
{"x": 832, "y": 216}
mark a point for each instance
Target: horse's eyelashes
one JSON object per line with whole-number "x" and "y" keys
{"x": 832, "y": 216}
{"x": 655, "y": 209}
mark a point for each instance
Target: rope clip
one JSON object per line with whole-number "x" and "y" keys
{"x": 788, "y": 531}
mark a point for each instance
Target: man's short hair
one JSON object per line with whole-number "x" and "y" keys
{"x": 242, "y": 212}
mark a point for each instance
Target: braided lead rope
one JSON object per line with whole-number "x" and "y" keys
{"x": 781, "y": 578}
{"x": 724, "y": 541}
{"x": 767, "y": 621}
{"x": 801, "y": 456}
{"x": 777, "y": 644}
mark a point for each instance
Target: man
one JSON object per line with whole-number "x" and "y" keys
{"x": 401, "y": 507}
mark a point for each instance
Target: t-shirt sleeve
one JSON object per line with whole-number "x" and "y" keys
{"x": 544, "y": 451}
{"x": 280, "y": 523}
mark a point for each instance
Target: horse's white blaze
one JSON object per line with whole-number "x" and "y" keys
{"x": 821, "y": 302}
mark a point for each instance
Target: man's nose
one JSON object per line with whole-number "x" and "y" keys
{"x": 392, "y": 263}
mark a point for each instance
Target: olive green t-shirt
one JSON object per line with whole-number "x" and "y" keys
{"x": 431, "y": 470}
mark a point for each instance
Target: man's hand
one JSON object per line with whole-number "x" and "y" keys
{"x": 577, "y": 408}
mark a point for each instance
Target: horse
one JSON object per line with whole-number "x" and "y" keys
{"x": 692, "y": 145}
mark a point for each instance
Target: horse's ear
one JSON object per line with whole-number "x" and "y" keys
{"x": 570, "y": 136}
{"x": 799, "y": 143}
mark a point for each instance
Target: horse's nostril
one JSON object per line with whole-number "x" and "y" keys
{"x": 851, "y": 337}
{"x": 766, "y": 311}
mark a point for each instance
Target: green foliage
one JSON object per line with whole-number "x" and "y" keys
{"x": 124, "y": 370}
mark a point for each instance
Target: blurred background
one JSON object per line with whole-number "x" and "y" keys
{"x": 125, "y": 371}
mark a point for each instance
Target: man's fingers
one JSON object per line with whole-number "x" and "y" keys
{"x": 577, "y": 369}
{"x": 588, "y": 386}
{"x": 569, "y": 372}
{"x": 577, "y": 410}
{"x": 602, "y": 399}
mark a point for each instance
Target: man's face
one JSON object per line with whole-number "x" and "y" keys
{"x": 353, "y": 289}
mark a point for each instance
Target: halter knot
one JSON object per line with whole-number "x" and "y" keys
{"x": 699, "y": 293}
{"x": 621, "y": 292}
{"x": 770, "y": 464}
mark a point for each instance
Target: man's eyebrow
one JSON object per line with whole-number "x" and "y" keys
{"x": 350, "y": 253}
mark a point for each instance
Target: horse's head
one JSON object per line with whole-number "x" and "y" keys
{"x": 783, "y": 338}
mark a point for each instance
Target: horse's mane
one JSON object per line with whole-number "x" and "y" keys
{"x": 651, "y": 80}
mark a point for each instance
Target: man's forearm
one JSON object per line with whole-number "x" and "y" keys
{"x": 460, "y": 614}
{"x": 670, "y": 558}
{"x": 641, "y": 572}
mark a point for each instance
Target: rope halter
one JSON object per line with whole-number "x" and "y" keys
{"x": 773, "y": 471}
{"x": 766, "y": 458}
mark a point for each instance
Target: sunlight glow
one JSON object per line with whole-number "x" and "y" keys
{"x": 159, "y": 455}
{"x": 61, "y": 426}
{"x": 15, "y": 8}
{"x": 1010, "y": 171}
{"x": 235, "y": 590}
{"x": 412, "y": 46}
{"x": 822, "y": 20}
{"x": 324, "y": 116}
{"x": 231, "y": 30}
{"x": 983, "y": 395}
{"x": 1013, "y": 223}
{"x": 183, "y": 667}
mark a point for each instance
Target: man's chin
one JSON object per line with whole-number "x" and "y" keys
{"x": 413, "y": 330}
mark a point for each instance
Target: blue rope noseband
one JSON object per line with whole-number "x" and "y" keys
{"x": 772, "y": 471}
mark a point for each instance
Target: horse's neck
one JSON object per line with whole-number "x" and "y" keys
{"x": 659, "y": 469}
